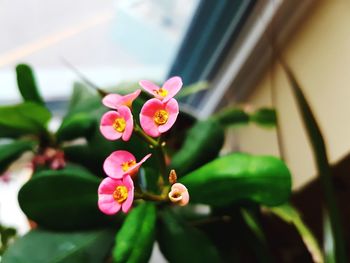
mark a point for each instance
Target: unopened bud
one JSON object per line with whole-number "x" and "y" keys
{"x": 179, "y": 194}
{"x": 172, "y": 177}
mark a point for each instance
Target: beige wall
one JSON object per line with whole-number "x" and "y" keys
{"x": 319, "y": 54}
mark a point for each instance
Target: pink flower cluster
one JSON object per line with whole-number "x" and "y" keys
{"x": 156, "y": 117}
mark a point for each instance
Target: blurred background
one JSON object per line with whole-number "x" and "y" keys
{"x": 109, "y": 41}
{"x": 225, "y": 42}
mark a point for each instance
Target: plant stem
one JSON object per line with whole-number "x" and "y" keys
{"x": 145, "y": 137}
{"x": 151, "y": 197}
{"x": 159, "y": 148}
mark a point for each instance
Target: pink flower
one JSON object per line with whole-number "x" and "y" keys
{"x": 115, "y": 194}
{"x": 157, "y": 117}
{"x": 165, "y": 93}
{"x": 122, "y": 163}
{"x": 179, "y": 194}
{"x": 116, "y": 124}
{"x": 114, "y": 101}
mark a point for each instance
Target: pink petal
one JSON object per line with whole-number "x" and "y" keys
{"x": 148, "y": 86}
{"x": 129, "y": 98}
{"x": 109, "y": 117}
{"x": 108, "y": 185}
{"x": 172, "y": 85}
{"x": 114, "y": 101}
{"x": 128, "y": 130}
{"x": 110, "y": 133}
{"x": 113, "y": 164}
{"x": 129, "y": 184}
{"x": 108, "y": 205}
{"x": 179, "y": 187}
{"x": 111, "y": 101}
{"x": 106, "y": 127}
{"x": 147, "y": 117}
{"x": 172, "y": 107}
{"x": 182, "y": 190}
{"x": 126, "y": 114}
{"x": 136, "y": 167}
{"x": 185, "y": 199}
{"x": 128, "y": 202}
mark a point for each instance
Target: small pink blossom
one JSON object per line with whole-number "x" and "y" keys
{"x": 179, "y": 194}
{"x": 157, "y": 117}
{"x": 115, "y": 194}
{"x": 122, "y": 163}
{"x": 54, "y": 158}
{"x": 117, "y": 124}
{"x": 170, "y": 88}
{"x": 58, "y": 162}
{"x": 114, "y": 101}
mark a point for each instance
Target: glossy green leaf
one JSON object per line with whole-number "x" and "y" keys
{"x": 238, "y": 176}
{"x": 203, "y": 143}
{"x": 264, "y": 117}
{"x": 27, "y": 85}
{"x": 42, "y": 246}
{"x": 134, "y": 241}
{"x": 75, "y": 126}
{"x": 320, "y": 155}
{"x": 10, "y": 152}
{"x": 232, "y": 116}
{"x": 23, "y": 119}
{"x": 62, "y": 199}
{"x": 290, "y": 215}
{"x": 179, "y": 242}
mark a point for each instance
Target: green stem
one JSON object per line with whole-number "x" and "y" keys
{"x": 151, "y": 197}
{"x": 161, "y": 156}
{"x": 145, "y": 137}
{"x": 159, "y": 148}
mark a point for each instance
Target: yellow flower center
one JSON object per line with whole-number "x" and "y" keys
{"x": 161, "y": 92}
{"x": 120, "y": 194}
{"x": 119, "y": 124}
{"x": 161, "y": 117}
{"x": 126, "y": 166}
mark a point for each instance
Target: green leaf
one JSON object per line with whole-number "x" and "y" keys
{"x": 62, "y": 199}
{"x": 23, "y": 119}
{"x": 80, "y": 95}
{"x": 232, "y": 116}
{"x": 264, "y": 117}
{"x": 10, "y": 152}
{"x": 328, "y": 242}
{"x": 255, "y": 237}
{"x": 179, "y": 242}
{"x": 320, "y": 155}
{"x": 203, "y": 143}
{"x": 253, "y": 224}
{"x": 238, "y": 176}
{"x": 192, "y": 89}
{"x": 134, "y": 241}
{"x": 290, "y": 215}
{"x": 26, "y": 84}
{"x": 42, "y": 246}
{"x": 75, "y": 126}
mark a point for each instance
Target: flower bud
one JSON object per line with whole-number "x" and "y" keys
{"x": 179, "y": 194}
